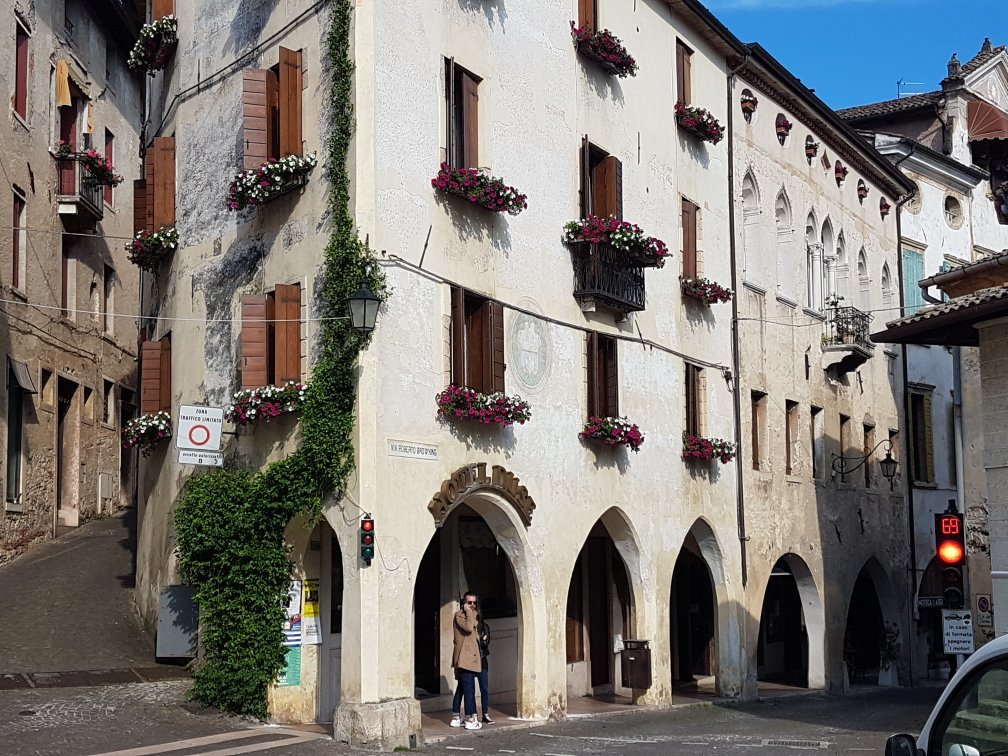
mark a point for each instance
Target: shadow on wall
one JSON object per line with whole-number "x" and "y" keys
{"x": 493, "y": 10}
{"x": 250, "y": 17}
{"x": 476, "y": 224}
{"x": 483, "y": 437}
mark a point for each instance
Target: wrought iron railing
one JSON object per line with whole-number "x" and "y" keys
{"x": 77, "y": 179}
{"x": 602, "y": 273}
{"x": 847, "y": 325}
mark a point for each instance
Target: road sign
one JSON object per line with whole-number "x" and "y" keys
{"x": 205, "y": 458}
{"x": 985, "y": 612}
{"x": 958, "y": 627}
{"x": 199, "y": 427}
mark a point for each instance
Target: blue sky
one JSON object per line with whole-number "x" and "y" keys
{"x": 854, "y": 51}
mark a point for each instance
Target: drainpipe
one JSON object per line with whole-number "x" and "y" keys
{"x": 739, "y": 489}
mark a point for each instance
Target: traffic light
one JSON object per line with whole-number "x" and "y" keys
{"x": 950, "y": 546}
{"x": 367, "y": 539}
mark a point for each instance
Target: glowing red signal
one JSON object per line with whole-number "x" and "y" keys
{"x": 950, "y": 552}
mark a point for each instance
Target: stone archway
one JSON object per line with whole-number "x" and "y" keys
{"x": 871, "y": 610}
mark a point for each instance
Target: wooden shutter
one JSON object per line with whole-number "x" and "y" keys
{"x": 150, "y": 377}
{"x": 586, "y": 14}
{"x": 272, "y": 116}
{"x": 254, "y": 117}
{"x": 594, "y": 410}
{"x": 470, "y": 121}
{"x": 165, "y": 365}
{"x": 162, "y": 8}
{"x": 607, "y": 188}
{"x": 450, "y": 132}
{"x": 692, "y": 400}
{"x": 161, "y": 183}
{"x": 255, "y": 351}
{"x": 496, "y": 331}
{"x": 586, "y": 198}
{"x": 287, "y": 330}
{"x": 683, "y": 73}
{"x": 458, "y": 323}
{"x": 929, "y": 466}
{"x": 477, "y": 351}
{"x": 611, "y": 366}
{"x": 689, "y": 253}
{"x": 109, "y": 150}
{"x": 140, "y": 205}
{"x": 290, "y": 102}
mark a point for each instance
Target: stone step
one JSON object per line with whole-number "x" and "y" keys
{"x": 974, "y": 723}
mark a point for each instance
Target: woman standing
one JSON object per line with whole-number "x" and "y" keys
{"x": 466, "y": 661}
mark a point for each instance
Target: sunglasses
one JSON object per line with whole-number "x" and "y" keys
{"x": 473, "y": 603}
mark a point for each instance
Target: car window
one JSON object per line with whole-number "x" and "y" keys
{"x": 974, "y": 719}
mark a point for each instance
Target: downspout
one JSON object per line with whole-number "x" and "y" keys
{"x": 739, "y": 489}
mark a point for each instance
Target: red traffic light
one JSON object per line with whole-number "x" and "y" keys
{"x": 367, "y": 524}
{"x": 951, "y": 552}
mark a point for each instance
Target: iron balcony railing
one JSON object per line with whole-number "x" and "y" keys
{"x": 77, "y": 183}
{"x": 601, "y": 273}
{"x": 848, "y": 325}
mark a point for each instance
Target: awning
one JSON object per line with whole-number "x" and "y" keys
{"x": 22, "y": 375}
{"x": 986, "y": 121}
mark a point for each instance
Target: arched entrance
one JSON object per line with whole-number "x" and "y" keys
{"x": 693, "y": 622}
{"x": 600, "y": 607}
{"x": 864, "y": 631}
{"x": 790, "y": 646}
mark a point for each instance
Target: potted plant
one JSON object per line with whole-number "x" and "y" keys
{"x": 889, "y": 653}
{"x": 862, "y": 191}
{"x": 840, "y": 172}
{"x": 811, "y": 149}
{"x": 64, "y": 149}
{"x": 480, "y": 188}
{"x": 613, "y": 431}
{"x": 749, "y": 103}
{"x": 706, "y": 291}
{"x": 147, "y": 248}
{"x": 784, "y": 126}
{"x": 466, "y": 403}
{"x": 699, "y": 448}
{"x": 251, "y": 406}
{"x": 271, "y": 179}
{"x": 606, "y": 49}
{"x": 699, "y": 122}
{"x": 625, "y": 237}
{"x": 147, "y": 431}
{"x": 884, "y": 208}
{"x": 155, "y": 45}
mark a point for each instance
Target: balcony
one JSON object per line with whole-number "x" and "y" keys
{"x": 602, "y": 277}
{"x": 80, "y": 195}
{"x": 845, "y": 344}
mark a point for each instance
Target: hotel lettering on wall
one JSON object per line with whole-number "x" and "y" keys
{"x": 474, "y": 478}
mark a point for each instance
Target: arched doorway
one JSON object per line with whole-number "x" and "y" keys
{"x": 600, "y": 607}
{"x": 693, "y": 623}
{"x": 790, "y": 648}
{"x": 864, "y": 631}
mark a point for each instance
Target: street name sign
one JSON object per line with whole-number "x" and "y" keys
{"x": 199, "y": 428}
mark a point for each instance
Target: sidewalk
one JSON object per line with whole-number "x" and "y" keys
{"x": 68, "y": 607}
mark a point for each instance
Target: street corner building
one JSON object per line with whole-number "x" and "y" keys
{"x": 555, "y": 409}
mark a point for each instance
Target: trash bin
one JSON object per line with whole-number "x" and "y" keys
{"x": 635, "y": 663}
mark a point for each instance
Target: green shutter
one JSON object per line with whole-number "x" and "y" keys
{"x": 913, "y": 271}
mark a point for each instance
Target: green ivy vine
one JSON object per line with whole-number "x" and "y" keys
{"x": 230, "y": 523}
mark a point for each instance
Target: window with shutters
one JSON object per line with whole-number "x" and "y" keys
{"x": 154, "y": 196}
{"x": 477, "y": 342}
{"x": 758, "y": 406}
{"x": 68, "y": 279}
{"x": 690, "y": 257}
{"x": 19, "y": 246}
{"x": 462, "y": 116}
{"x": 271, "y": 337}
{"x": 20, "y": 101}
{"x": 271, "y": 110}
{"x": 603, "y": 376}
{"x": 601, "y": 182}
{"x": 921, "y": 438}
{"x": 155, "y": 377}
{"x": 913, "y": 271}
{"x": 695, "y": 399}
{"x": 684, "y": 76}
{"x": 588, "y": 15}
{"x": 15, "y": 436}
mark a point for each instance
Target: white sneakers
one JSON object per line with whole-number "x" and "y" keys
{"x": 473, "y": 724}
{"x": 456, "y": 722}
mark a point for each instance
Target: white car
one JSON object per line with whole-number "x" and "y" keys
{"x": 971, "y": 717}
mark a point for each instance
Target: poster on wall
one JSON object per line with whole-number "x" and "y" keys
{"x": 290, "y": 675}
{"x": 292, "y": 618}
{"x": 311, "y": 622}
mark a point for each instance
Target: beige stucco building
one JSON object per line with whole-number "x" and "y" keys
{"x": 69, "y": 291}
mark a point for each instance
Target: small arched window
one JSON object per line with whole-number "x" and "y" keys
{"x": 750, "y": 229}
{"x": 864, "y": 282}
{"x": 886, "y": 287}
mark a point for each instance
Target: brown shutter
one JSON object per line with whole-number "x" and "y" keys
{"x": 617, "y": 178}
{"x": 287, "y": 330}
{"x": 586, "y": 198}
{"x": 496, "y": 329}
{"x": 586, "y": 14}
{"x": 166, "y": 384}
{"x": 272, "y": 116}
{"x": 21, "y": 71}
{"x": 475, "y": 344}
{"x": 594, "y": 410}
{"x": 929, "y": 465}
{"x": 162, "y": 186}
{"x": 689, "y": 239}
{"x": 254, "y": 116}
{"x": 139, "y": 205}
{"x": 149, "y": 190}
{"x": 150, "y": 377}
{"x": 486, "y": 342}
{"x": 470, "y": 121}
{"x": 290, "y": 102}
{"x": 458, "y": 323}
{"x": 450, "y": 134}
{"x": 610, "y": 356}
{"x": 683, "y": 73}
{"x": 255, "y": 352}
{"x": 691, "y": 400}
{"x": 162, "y": 8}
{"x": 607, "y": 188}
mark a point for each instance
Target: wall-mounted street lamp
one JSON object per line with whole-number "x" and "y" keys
{"x": 364, "y": 309}
{"x": 887, "y": 465}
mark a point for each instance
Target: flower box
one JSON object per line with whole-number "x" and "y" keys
{"x": 468, "y": 404}
{"x": 862, "y": 192}
{"x": 841, "y": 173}
{"x": 784, "y": 127}
{"x": 270, "y": 180}
{"x": 148, "y": 249}
{"x": 811, "y": 150}
{"x": 884, "y": 207}
{"x": 705, "y": 290}
{"x": 480, "y": 188}
{"x": 154, "y": 47}
{"x": 613, "y": 431}
{"x": 699, "y": 122}
{"x": 251, "y": 406}
{"x": 627, "y": 238}
{"x": 749, "y": 104}
{"x": 698, "y": 448}
{"x": 147, "y": 431}
{"x": 606, "y": 49}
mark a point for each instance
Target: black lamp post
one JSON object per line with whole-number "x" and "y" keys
{"x": 364, "y": 309}
{"x": 887, "y": 465}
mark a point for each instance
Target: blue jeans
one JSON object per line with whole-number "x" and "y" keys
{"x": 466, "y": 687}
{"x": 484, "y": 685}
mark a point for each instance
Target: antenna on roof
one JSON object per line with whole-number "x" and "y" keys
{"x": 901, "y": 91}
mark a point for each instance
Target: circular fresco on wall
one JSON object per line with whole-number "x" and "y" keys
{"x": 530, "y": 351}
